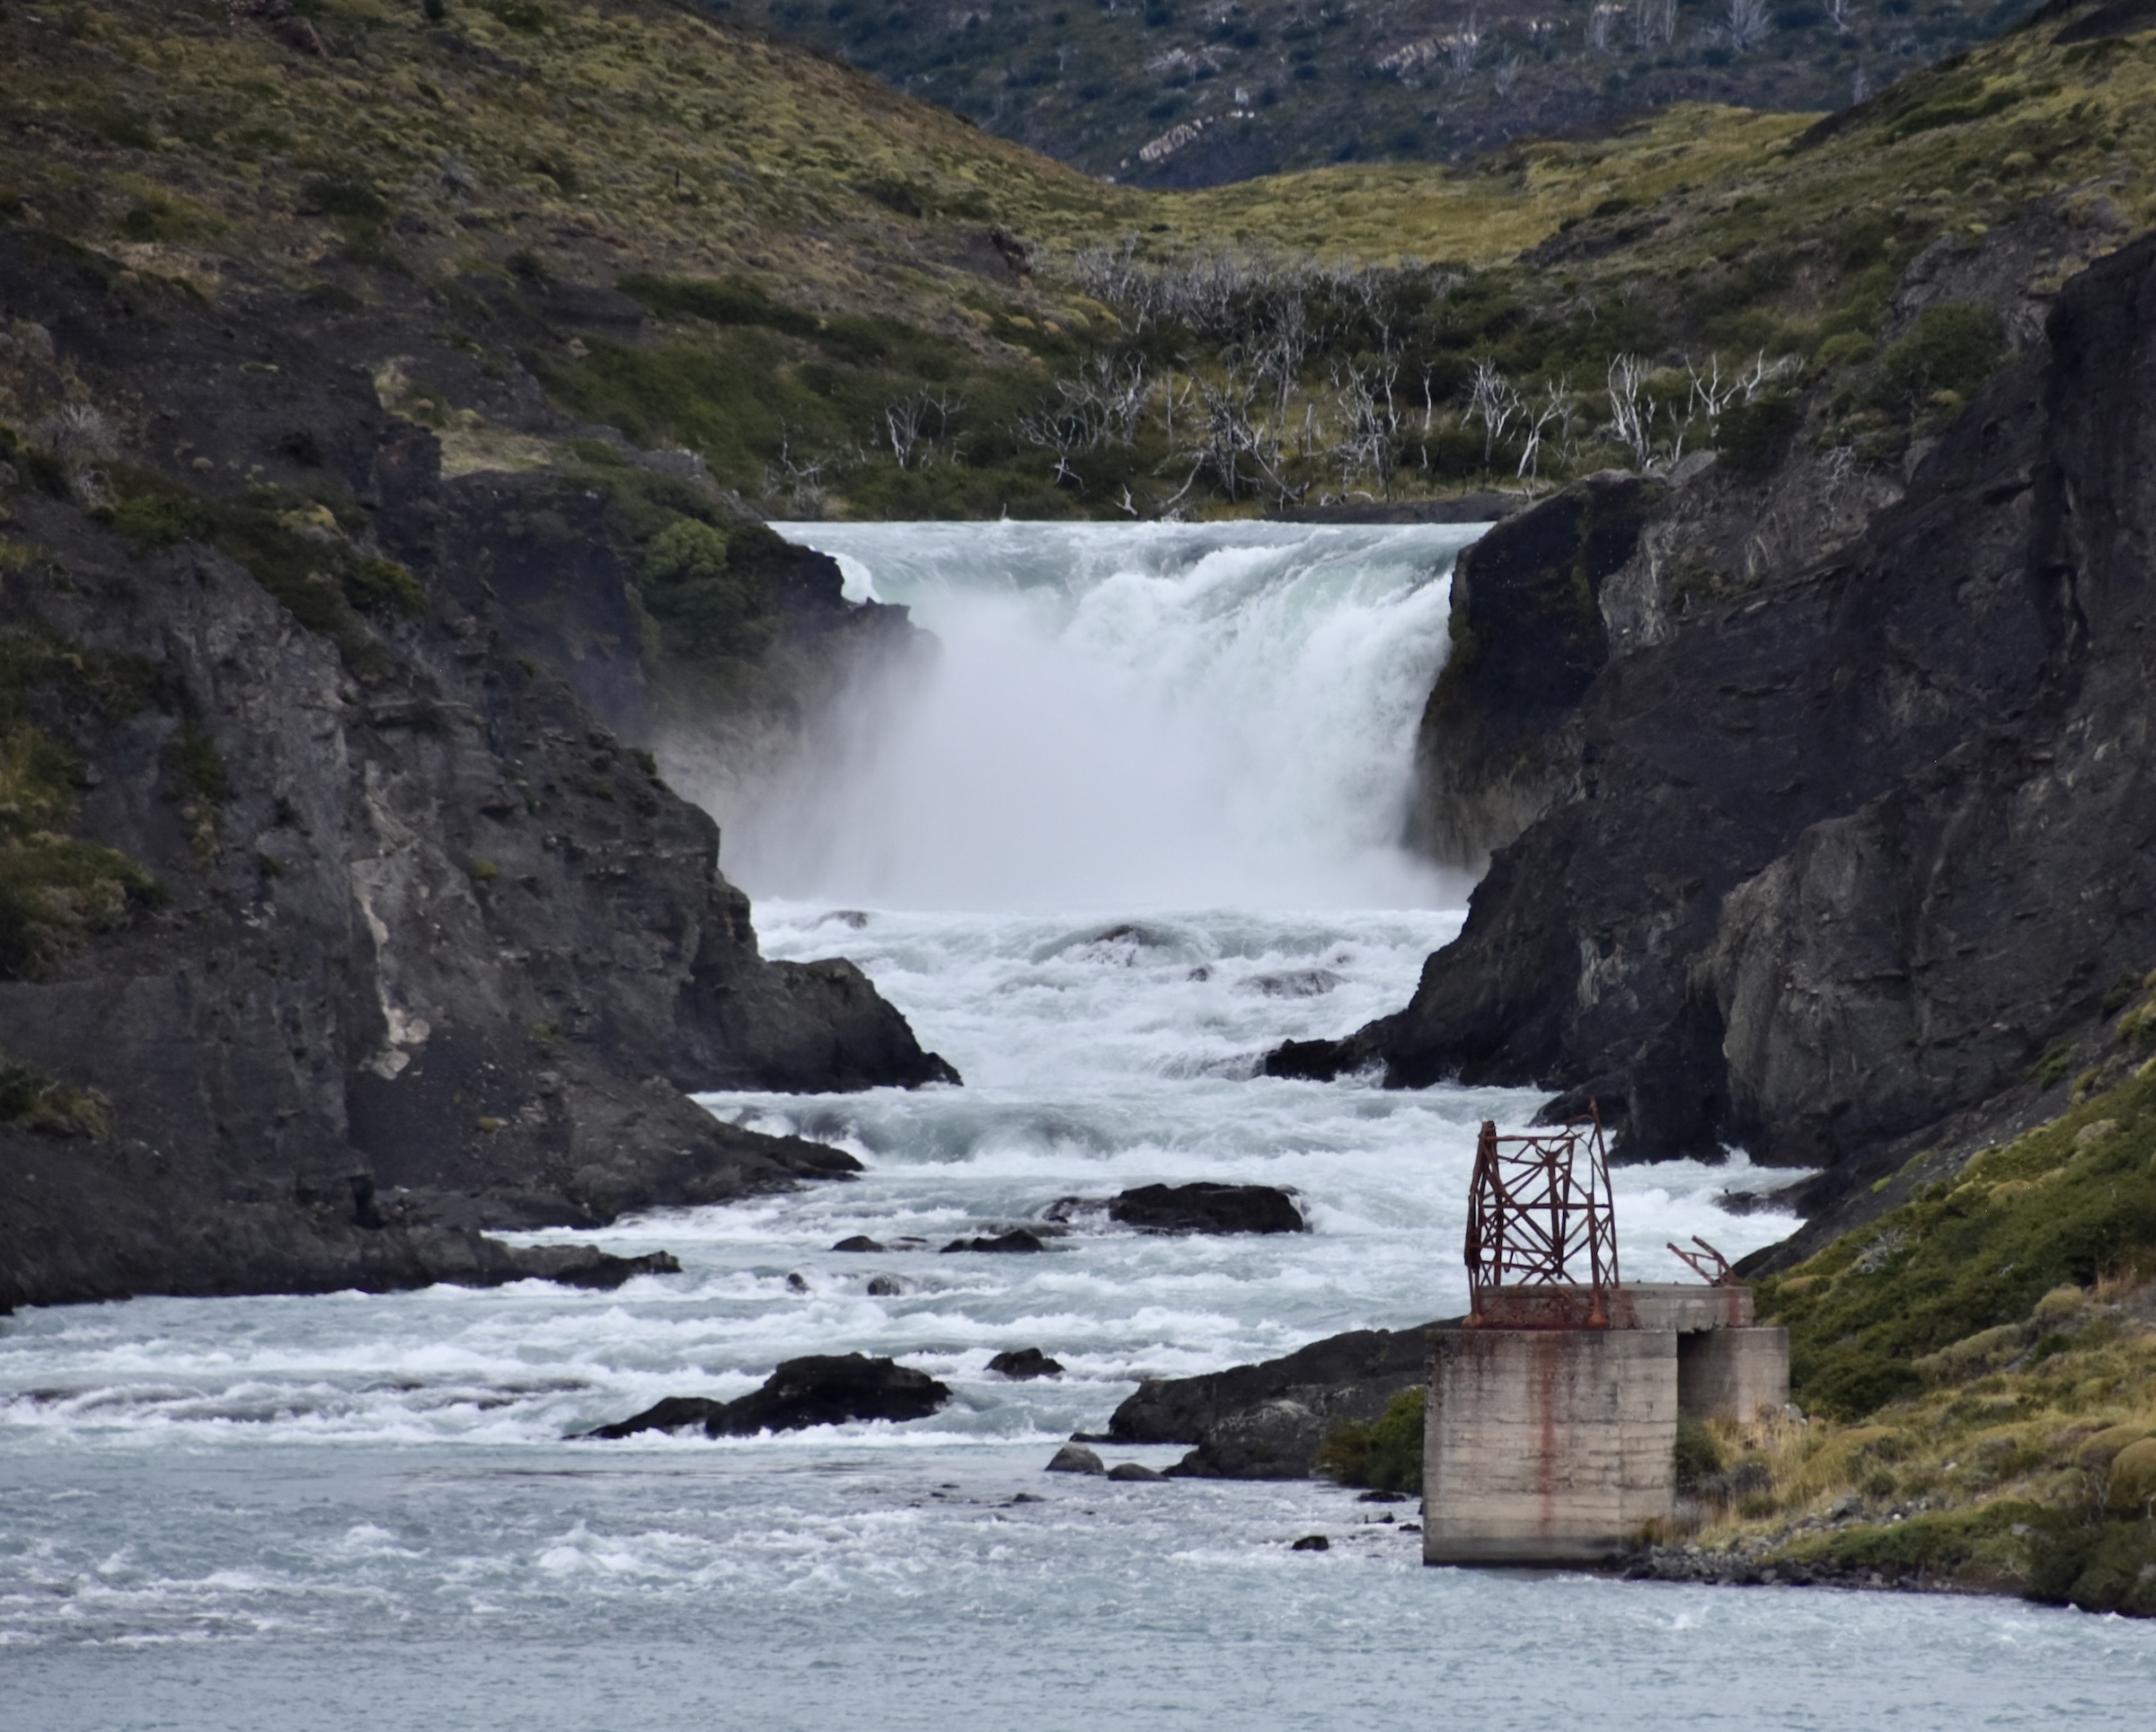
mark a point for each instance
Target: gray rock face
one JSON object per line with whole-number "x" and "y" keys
{"x": 435, "y": 951}
{"x": 1844, "y": 852}
{"x": 1495, "y": 750}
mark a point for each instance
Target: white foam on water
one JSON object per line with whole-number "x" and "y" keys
{"x": 1140, "y": 828}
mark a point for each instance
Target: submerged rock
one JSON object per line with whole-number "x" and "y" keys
{"x": 885, "y": 1286}
{"x": 1133, "y": 1471}
{"x": 1297, "y": 982}
{"x": 859, "y": 1242}
{"x": 1025, "y": 1362}
{"x": 818, "y": 1390}
{"x": 578, "y": 1266}
{"x": 1019, "y": 1239}
{"x": 1075, "y": 1458}
{"x": 1311, "y": 1542}
{"x": 1207, "y": 1207}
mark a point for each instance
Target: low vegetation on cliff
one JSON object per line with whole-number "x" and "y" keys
{"x": 1977, "y": 1369}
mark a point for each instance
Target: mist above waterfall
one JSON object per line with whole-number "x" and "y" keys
{"x": 1124, "y": 716}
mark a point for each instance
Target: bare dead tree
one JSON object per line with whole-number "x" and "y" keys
{"x": 1840, "y": 15}
{"x": 1369, "y": 443}
{"x": 802, "y": 484}
{"x": 1631, "y": 408}
{"x": 1239, "y": 451}
{"x": 1553, "y": 412}
{"x": 1492, "y": 400}
{"x": 1600, "y": 20}
{"x": 1747, "y": 24}
{"x": 908, "y": 420}
{"x": 1708, "y": 394}
{"x": 1503, "y": 76}
{"x": 1654, "y": 23}
{"x": 1466, "y": 44}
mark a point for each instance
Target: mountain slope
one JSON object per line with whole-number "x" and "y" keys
{"x": 1169, "y": 94}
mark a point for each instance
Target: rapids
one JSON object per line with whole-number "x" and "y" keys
{"x": 1139, "y": 825}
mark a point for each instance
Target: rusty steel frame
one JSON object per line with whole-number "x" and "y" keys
{"x": 1719, "y": 1276}
{"x": 1537, "y": 1209}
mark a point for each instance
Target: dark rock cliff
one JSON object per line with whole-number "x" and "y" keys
{"x": 336, "y": 920}
{"x": 1840, "y": 852}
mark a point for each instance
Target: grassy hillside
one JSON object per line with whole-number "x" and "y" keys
{"x": 1979, "y": 1367}
{"x": 1170, "y": 94}
{"x": 859, "y": 305}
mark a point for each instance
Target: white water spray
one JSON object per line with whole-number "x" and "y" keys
{"x": 1136, "y": 717}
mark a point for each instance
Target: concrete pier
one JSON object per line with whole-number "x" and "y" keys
{"x": 1546, "y": 1447}
{"x": 1548, "y": 1443}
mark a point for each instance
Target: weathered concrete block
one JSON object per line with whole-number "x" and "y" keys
{"x": 1546, "y": 1447}
{"x": 1730, "y": 1374}
{"x": 1637, "y": 1304}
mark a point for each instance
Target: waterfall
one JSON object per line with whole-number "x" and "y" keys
{"x": 1136, "y": 716}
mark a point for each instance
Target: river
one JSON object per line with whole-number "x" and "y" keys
{"x": 1139, "y": 827}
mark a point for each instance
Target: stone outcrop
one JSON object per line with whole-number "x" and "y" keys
{"x": 417, "y": 942}
{"x": 1496, "y": 747}
{"x": 1847, "y": 840}
{"x": 1207, "y": 1206}
{"x": 828, "y": 1388}
{"x": 1268, "y": 1421}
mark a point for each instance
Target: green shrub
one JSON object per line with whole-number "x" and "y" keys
{"x": 1952, "y": 348}
{"x": 708, "y": 603}
{"x": 336, "y": 195}
{"x": 1698, "y": 1457}
{"x": 2106, "y": 1566}
{"x": 1961, "y": 1258}
{"x": 1385, "y": 1455}
{"x": 1753, "y": 437}
{"x": 33, "y": 1100}
{"x": 380, "y": 585}
{"x": 728, "y": 301}
{"x": 57, "y": 890}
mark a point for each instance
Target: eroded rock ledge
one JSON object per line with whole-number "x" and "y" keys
{"x": 380, "y": 932}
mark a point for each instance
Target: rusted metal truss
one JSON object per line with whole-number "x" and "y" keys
{"x": 1700, "y": 1262}
{"x": 1539, "y": 1213}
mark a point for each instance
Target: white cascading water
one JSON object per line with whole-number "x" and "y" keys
{"x": 1140, "y": 827}
{"x": 1140, "y": 716}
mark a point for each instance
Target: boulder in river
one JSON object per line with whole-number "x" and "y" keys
{"x": 825, "y": 1389}
{"x": 1268, "y": 1421}
{"x": 1025, "y": 1362}
{"x": 1207, "y": 1207}
{"x": 1019, "y": 1239}
{"x": 1311, "y": 1542}
{"x": 585, "y": 1266}
{"x": 885, "y": 1286}
{"x": 1133, "y": 1471}
{"x": 1075, "y": 1458}
{"x": 859, "y": 1242}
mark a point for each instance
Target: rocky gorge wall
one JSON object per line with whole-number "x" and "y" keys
{"x": 340, "y": 915}
{"x": 1837, "y": 858}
